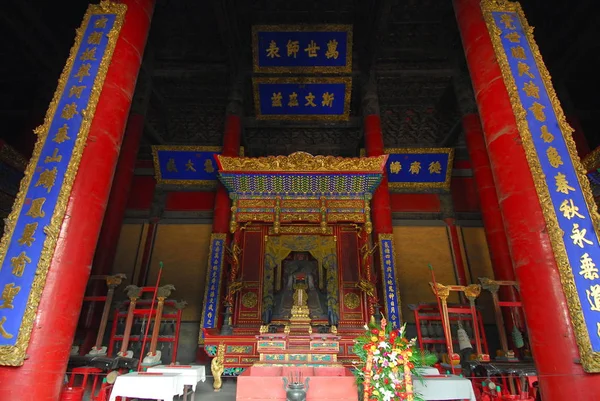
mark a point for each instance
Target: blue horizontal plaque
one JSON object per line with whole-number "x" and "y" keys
{"x": 302, "y": 98}
{"x": 321, "y": 48}
{"x": 186, "y": 165}
{"x": 32, "y": 228}
{"x": 563, "y": 190}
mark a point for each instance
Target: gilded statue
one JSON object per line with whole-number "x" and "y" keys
{"x": 217, "y": 367}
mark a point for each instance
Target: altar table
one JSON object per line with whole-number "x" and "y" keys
{"x": 191, "y": 374}
{"x": 444, "y": 387}
{"x": 154, "y": 386}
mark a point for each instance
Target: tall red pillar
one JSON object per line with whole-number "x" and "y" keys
{"x": 550, "y": 330}
{"x": 381, "y": 211}
{"x": 488, "y": 199}
{"x": 41, "y": 376}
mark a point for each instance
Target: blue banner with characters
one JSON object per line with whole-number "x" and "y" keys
{"x": 32, "y": 229}
{"x": 302, "y": 98}
{"x": 570, "y": 223}
{"x": 302, "y": 49}
{"x": 214, "y": 268}
{"x": 392, "y": 301}
{"x": 186, "y": 165}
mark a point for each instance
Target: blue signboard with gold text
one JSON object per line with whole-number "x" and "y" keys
{"x": 32, "y": 228}
{"x": 186, "y": 165}
{"x": 388, "y": 272}
{"x": 210, "y": 312}
{"x": 302, "y": 48}
{"x": 302, "y": 98}
{"x": 561, "y": 185}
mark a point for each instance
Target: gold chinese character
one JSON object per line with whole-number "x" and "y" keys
{"x": 94, "y": 38}
{"x": 415, "y": 168}
{"x": 562, "y": 185}
{"x": 61, "y": 135}
{"x": 578, "y": 236}
{"x": 332, "y": 51}
{"x": 569, "y": 210}
{"x": 395, "y": 167}
{"x": 327, "y": 99}
{"x": 553, "y": 157}
{"x": 101, "y": 22}
{"x": 208, "y": 166}
{"x": 47, "y": 179}
{"x": 69, "y": 111}
{"x": 312, "y": 49}
{"x": 293, "y": 100}
{"x": 531, "y": 90}
{"x": 518, "y": 52}
{"x": 310, "y": 100}
{"x": 276, "y": 99}
{"x": 273, "y": 50}
{"x": 171, "y": 165}
{"x": 538, "y": 111}
{"x": 435, "y": 167}
{"x": 507, "y": 20}
{"x": 293, "y": 46}
{"x": 27, "y": 236}
{"x": 593, "y": 296}
{"x": 513, "y": 37}
{"x": 76, "y": 91}
{"x": 83, "y": 71}
{"x": 55, "y": 158}
{"x": 3, "y": 332}
{"x": 18, "y": 264}
{"x": 35, "y": 210}
{"x": 588, "y": 268}
{"x": 189, "y": 166}
{"x": 89, "y": 54}
{"x": 524, "y": 69}
{"x": 9, "y": 293}
{"x": 546, "y": 135}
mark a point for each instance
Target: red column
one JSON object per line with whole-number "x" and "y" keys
{"x": 550, "y": 330}
{"x": 41, "y": 376}
{"x": 461, "y": 275}
{"x": 490, "y": 213}
{"x": 231, "y": 147}
{"x": 381, "y": 211}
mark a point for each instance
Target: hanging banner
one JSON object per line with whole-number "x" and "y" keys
{"x": 33, "y": 226}
{"x": 418, "y": 168}
{"x": 302, "y": 98}
{"x": 302, "y": 48}
{"x": 388, "y": 275}
{"x": 212, "y": 290}
{"x": 186, "y": 165}
{"x": 562, "y": 187}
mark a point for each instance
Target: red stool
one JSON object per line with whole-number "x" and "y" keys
{"x": 85, "y": 371}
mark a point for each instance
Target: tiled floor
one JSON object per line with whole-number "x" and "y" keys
{"x": 205, "y": 391}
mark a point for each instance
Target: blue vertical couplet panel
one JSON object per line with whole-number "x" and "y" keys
{"x": 302, "y": 48}
{"x": 388, "y": 273}
{"x": 563, "y": 190}
{"x": 302, "y": 98}
{"x": 33, "y": 226}
{"x": 214, "y": 272}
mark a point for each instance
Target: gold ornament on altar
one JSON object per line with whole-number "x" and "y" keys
{"x": 351, "y": 300}
{"x": 302, "y": 161}
{"x": 249, "y": 300}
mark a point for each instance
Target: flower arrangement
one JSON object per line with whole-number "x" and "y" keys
{"x": 388, "y": 361}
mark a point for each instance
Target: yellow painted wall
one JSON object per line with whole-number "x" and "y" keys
{"x": 183, "y": 248}
{"x": 479, "y": 265}
{"x": 416, "y": 247}
{"x": 128, "y": 255}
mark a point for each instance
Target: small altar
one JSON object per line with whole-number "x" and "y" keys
{"x": 295, "y": 284}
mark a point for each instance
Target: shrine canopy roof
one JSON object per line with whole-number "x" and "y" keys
{"x": 301, "y": 175}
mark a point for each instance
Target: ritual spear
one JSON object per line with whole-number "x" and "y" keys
{"x": 437, "y": 298}
{"x": 160, "y": 269}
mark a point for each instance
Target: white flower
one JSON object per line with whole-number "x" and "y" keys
{"x": 383, "y": 344}
{"x": 376, "y": 377}
{"x": 376, "y": 352}
{"x": 366, "y": 327}
{"x": 393, "y": 356}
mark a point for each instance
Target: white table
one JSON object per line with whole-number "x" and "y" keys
{"x": 444, "y": 388}
{"x": 191, "y": 375}
{"x": 154, "y": 386}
